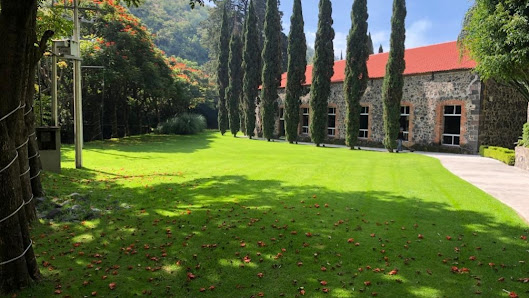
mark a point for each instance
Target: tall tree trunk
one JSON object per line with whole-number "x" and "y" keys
{"x": 18, "y": 266}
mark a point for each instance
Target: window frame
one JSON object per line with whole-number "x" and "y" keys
{"x": 303, "y": 127}
{"x": 333, "y": 129}
{"x": 406, "y": 133}
{"x": 364, "y": 111}
{"x": 449, "y": 135}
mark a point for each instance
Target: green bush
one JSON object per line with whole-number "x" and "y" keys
{"x": 502, "y": 154}
{"x": 525, "y": 136}
{"x": 482, "y": 150}
{"x": 185, "y": 124}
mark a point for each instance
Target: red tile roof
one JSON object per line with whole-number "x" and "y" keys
{"x": 427, "y": 59}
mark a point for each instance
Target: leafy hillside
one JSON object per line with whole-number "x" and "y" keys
{"x": 175, "y": 27}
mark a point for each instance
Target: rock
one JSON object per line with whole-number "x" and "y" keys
{"x": 53, "y": 213}
{"x": 76, "y": 207}
{"x": 77, "y": 197}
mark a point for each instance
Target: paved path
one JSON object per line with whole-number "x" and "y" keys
{"x": 508, "y": 184}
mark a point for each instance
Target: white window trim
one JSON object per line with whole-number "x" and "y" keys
{"x": 365, "y": 131}
{"x": 303, "y": 128}
{"x": 406, "y": 133}
{"x": 333, "y": 129}
{"x": 452, "y": 136}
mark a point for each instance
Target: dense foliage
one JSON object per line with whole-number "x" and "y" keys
{"x": 271, "y": 73}
{"x": 505, "y": 155}
{"x": 142, "y": 86}
{"x": 234, "y": 91}
{"x": 297, "y": 63}
{"x": 184, "y": 124}
{"x": 525, "y": 136}
{"x": 496, "y": 34}
{"x": 359, "y": 46}
{"x": 394, "y": 79}
{"x": 251, "y": 66}
{"x": 238, "y": 14}
{"x": 175, "y": 26}
{"x": 223, "y": 72}
{"x": 322, "y": 72}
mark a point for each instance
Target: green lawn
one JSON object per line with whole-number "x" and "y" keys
{"x": 247, "y": 217}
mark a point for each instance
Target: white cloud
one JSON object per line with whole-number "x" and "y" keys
{"x": 311, "y": 37}
{"x": 417, "y": 34}
{"x": 340, "y": 44}
{"x": 380, "y": 38}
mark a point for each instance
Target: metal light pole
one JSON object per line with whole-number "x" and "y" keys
{"x": 54, "y": 60}
{"x": 77, "y": 91}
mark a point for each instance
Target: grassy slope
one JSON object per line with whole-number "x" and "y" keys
{"x": 194, "y": 191}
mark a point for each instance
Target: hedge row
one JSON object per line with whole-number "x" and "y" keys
{"x": 502, "y": 154}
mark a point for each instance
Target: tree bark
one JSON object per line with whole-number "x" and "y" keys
{"x": 18, "y": 266}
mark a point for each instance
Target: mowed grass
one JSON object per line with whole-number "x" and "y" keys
{"x": 217, "y": 216}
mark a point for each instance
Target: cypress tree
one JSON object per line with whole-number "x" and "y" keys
{"x": 370, "y": 44}
{"x": 222, "y": 72}
{"x": 322, "y": 72}
{"x": 394, "y": 79}
{"x": 356, "y": 75}
{"x": 297, "y": 64}
{"x": 234, "y": 91}
{"x": 271, "y": 73}
{"x": 251, "y": 65}
{"x": 380, "y": 49}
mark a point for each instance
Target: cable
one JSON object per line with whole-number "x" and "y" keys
{"x": 36, "y": 154}
{"x": 27, "y": 171}
{"x": 27, "y": 113}
{"x": 2, "y": 220}
{"x": 32, "y": 196}
{"x": 35, "y": 176}
{"x": 23, "y": 144}
{"x": 6, "y": 167}
{"x": 24, "y": 253}
{"x": 11, "y": 113}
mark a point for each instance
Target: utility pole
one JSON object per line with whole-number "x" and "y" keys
{"x": 70, "y": 49}
{"x": 54, "y": 60}
{"x": 77, "y": 91}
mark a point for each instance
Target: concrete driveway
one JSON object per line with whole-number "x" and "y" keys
{"x": 508, "y": 184}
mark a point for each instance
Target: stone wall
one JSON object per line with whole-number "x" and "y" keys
{"x": 504, "y": 112}
{"x": 522, "y": 158}
{"x": 426, "y": 95}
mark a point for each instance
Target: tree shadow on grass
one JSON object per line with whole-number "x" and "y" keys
{"x": 149, "y": 143}
{"x": 152, "y": 143}
{"x": 222, "y": 231}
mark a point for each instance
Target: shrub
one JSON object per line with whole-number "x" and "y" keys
{"x": 525, "y": 136}
{"x": 185, "y": 124}
{"x": 482, "y": 150}
{"x": 502, "y": 154}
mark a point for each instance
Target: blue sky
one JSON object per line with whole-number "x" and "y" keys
{"x": 428, "y": 21}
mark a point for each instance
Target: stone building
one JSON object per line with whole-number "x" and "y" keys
{"x": 445, "y": 106}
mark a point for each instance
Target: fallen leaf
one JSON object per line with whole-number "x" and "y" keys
{"x": 112, "y": 285}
